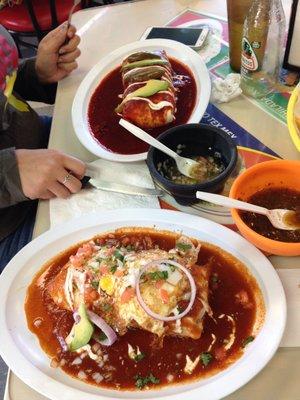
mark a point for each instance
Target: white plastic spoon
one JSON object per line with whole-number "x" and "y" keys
{"x": 184, "y": 165}
{"x": 277, "y": 217}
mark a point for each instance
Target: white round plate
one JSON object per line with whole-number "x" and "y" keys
{"x": 21, "y": 351}
{"x": 87, "y": 87}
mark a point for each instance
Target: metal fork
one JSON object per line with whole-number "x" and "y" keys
{"x": 76, "y": 2}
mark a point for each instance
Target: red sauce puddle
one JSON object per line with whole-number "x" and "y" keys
{"x": 104, "y": 122}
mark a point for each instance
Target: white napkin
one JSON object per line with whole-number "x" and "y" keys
{"x": 224, "y": 90}
{"x": 93, "y": 200}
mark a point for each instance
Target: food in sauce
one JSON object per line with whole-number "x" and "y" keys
{"x": 104, "y": 120}
{"x": 292, "y": 218}
{"x": 297, "y": 111}
{"x": 149, "y": 97}
{"x": 209, "y": 167}
{"x": 272, "y": 198}
{"x": 139, "y": 308}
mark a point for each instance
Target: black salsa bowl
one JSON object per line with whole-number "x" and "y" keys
{"x": 195, "y": 140}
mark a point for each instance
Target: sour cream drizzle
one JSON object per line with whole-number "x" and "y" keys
{"x": 153, "y": 106}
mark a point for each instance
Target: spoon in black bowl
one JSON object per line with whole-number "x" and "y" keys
{"x": 186, "y": 166}
{"x": 280, "y": 218}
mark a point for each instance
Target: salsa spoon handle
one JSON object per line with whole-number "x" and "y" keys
{"x": 230, "y": 203}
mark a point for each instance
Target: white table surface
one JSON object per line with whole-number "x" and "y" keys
{"x": 104, "y": 29}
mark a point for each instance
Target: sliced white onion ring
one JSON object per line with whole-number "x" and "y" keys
{"x": 144, "y": 305}
{"x": 105, "y": 328}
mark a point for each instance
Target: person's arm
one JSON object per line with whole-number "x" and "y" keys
{"x": 28, "y": 85}
{"x": 37, "y": 174}
{"x": 10, "y": 184}
{"x": 37, "y": 77}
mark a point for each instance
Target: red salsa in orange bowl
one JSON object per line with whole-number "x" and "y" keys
{"x": 272, "y": 184}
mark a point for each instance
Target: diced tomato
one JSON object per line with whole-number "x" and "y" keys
{"x": 164, "y": 295}
{"x": 85, "y": 250}
{"x": 243, "y": 299}
{"x": 109, "y": 252}
{"x": 103, "y": 269}
{"x": 159, "y": 284}
{"x": 127, "y": 295}
{"x": 220, "y": 354}
{"x": 125, "y": 241}
{"x": 76, "y": 261}
{"x": 119, "y": 273}
{"x": 90, "y": 295}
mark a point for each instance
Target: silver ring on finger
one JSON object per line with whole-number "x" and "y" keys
{"x": 66, "y": 178}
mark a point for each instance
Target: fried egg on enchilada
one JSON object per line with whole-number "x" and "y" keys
{"x": 118, "y": 311}
{"x": 105, "y": 277}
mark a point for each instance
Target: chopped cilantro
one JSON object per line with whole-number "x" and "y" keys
{"x": 180, "y": 309}
{"x": 158, "y": 275}
{"x": 153, "y": 379}
{"x": 99, "y": 259}
{"x": 102, "y": 336}
{"x": 106, "y": 307}
{"x": 118, "y": 255}
{"x": 248, "y": 340}
{"x": 141, "y": 382}
{"x": 183, "y": 246}
{"x": 129, "y": 247}
{"x": 139, "y": 357}
{"x": 206, "y": 358}
{"x": 113, "y": 269}
{"x": 95, "y": 284}
{"x": 172, "y": 267}
{"x": 215, "y": 278}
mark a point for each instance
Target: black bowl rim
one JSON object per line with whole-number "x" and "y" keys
{"x": 227, "y": 171}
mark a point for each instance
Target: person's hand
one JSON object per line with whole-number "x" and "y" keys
{"x": 55, "y": 59}
{"x": 48, "y": 173}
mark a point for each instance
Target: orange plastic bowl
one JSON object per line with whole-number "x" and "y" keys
{"x": 277, "y": 173}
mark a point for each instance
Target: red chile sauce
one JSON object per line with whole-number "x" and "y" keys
{"x": 228, "y": 277}
{"x": 273, "y": 198}
{"x": 104, "y": 122}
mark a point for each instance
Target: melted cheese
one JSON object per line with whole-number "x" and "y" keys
{"x": 68, "y": 288}
{"x": 231, "y": 338}
{"x": 88, "y": 349}
{"x": 190, "y": 365}
{"x": 214, "y": 338}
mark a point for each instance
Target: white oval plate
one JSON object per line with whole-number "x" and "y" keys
{"x": 21, "y": 351}
{"x": 99, "y": 71}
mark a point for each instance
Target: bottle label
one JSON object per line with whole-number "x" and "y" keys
{"x": 249, "y": 60}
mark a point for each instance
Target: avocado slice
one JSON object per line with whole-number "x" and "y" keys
{"x": 144, "y": 63}
{"x": 142, "y": 55}
{"x": 152, "y": 86}
{"x": 81, "y": 332}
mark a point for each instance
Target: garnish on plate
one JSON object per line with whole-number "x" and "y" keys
{"x": 141, "y": 382}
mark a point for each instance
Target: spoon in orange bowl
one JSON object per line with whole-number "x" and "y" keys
{"x": 280, "y": 218}
{"x": 186, "y": 166}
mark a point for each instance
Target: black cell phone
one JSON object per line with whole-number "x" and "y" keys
{"x": 193, "y": 37}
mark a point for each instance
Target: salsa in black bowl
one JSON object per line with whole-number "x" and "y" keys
{"x": 210, "y": 146}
